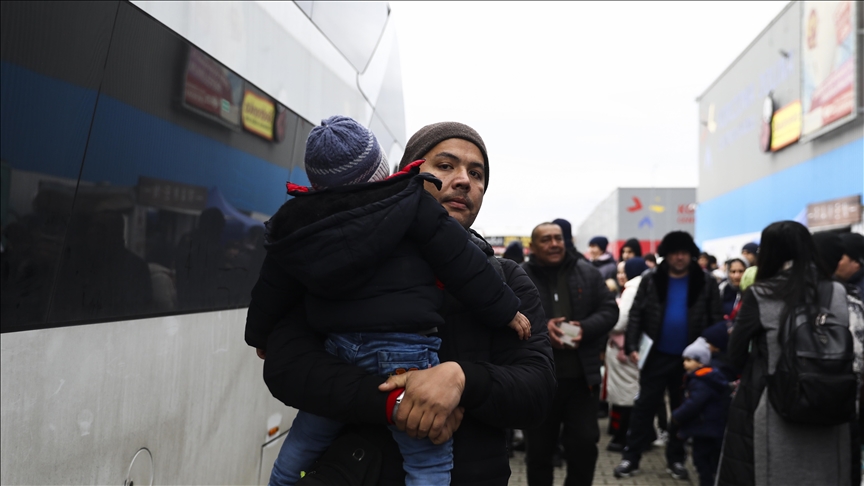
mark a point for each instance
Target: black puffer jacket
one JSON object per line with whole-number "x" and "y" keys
{"x": 649, "y": 308}
{"x": 368, "y": 256}
{"x": 508, "y": 383}
{"x": 593, "y": 305}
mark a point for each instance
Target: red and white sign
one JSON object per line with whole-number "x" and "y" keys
{"x": 827, "y": 64}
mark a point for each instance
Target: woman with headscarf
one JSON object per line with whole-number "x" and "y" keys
{"x": 730, "y": 289}
{"x": 761, "y": 447}
{"x": 622, "y": 375}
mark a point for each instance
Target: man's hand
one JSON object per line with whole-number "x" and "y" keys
{"x": 450, "y": 427}
{"x": 431, "y": 395}
{"x": 634, "y": 357}
{"x": 261, "y": 353}
{"x": 521, "y": 325}
{"x": 578, "y": 339}
{"x": 555, "y": 333}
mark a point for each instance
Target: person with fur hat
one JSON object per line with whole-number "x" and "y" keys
{"x": 702, "y": 414}
{"x": 488, "y": 379}
{"x": 675, "y": 302}
{"x": 306, "y": 251}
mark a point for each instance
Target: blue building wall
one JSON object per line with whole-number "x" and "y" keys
{"x": 783, "y": 195}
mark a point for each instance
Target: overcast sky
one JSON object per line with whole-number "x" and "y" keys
{"x": 572, "y": 99}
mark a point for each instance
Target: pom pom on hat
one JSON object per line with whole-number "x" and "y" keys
{"x": 342, "y": 152}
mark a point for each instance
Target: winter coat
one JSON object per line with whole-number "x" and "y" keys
{"x": 367, "y": 256}
{"x": 706, "y": 404}
{"x": 508, "y": 383}
{"x": 622, "y": 375}
{"x": 606, "y": 266}
{"x": 649, "y": 308}
{"x": 730, "y": 296}
{"x": 760, "y": 447}
{"x": 593, "y": 305}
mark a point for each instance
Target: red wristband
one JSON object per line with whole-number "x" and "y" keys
{"x": 391, "y": 402}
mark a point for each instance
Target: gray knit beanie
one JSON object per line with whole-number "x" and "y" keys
{"x": 431, "y": 135}
{"x": 698, "y": 351}
{"x": 342, "y": 152}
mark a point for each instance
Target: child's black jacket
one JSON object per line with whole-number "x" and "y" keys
{"x": 365, "y": 258}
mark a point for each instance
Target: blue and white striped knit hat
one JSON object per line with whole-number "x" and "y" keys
{"x": 342, "y": 152}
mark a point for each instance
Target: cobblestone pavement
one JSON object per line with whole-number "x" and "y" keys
{"x": 652, "y": 466}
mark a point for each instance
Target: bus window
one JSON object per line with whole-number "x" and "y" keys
{"x": 51, "y": 66}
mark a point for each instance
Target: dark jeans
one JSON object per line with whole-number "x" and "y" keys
{"x": 575, "y": 406}
{"x": 661, "y": 372}
{"x": 706, "y": 456}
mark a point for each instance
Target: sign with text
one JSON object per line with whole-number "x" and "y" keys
{"x": 786, "y": 126}
{"x": 259, "y": 112}
{"x": 211, "y": 89}
{"x": 827, "y": 64}
{"x": 845, "y": 211}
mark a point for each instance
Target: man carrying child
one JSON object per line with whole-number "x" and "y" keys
{"x": 488, "y": 374}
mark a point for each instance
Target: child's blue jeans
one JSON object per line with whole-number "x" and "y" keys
{"x": 385, "y": 354}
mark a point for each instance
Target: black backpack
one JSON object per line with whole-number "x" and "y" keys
{"x": 814, "y": 382}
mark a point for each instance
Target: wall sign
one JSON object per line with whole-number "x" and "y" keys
{"x": 258, "y": 115}
{"x": 845, "y": 211}
{"x": 786, "y": 126}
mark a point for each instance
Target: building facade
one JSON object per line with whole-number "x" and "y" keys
{"x": 781, "y": 131}
{"x": 644, "y": 213}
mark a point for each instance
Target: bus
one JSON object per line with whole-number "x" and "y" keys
{"x": 143, "y": 146}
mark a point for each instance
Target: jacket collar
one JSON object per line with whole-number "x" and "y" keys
{"x": 480, "y": 242}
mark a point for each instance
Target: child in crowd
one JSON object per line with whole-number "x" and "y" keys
{"x": 702, "y": 414}
{"x": 717, "y": 338}
{"x": 364, "y": 253}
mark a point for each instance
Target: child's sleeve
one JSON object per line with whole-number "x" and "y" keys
{"x": 275, "y": 292}
{"x": 694, "y": 404}
{"x": 461, "y": 266}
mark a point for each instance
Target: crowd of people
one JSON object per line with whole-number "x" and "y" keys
{"x": 707, "y": 340}
{"x": 376, "y": 296}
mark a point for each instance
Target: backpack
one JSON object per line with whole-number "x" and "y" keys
{"x": 814, "y": 382}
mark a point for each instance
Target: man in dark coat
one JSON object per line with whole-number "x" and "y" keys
{"x": 486, "y": 382}
{"x": 674, "y": 304}
{"x": 573, "y": 294}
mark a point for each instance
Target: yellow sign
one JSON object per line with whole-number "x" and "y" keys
{"x": 258, "y": 115}
{"x": 786, "y": 126}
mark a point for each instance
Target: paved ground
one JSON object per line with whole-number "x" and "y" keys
{"x": 652, "y": 466}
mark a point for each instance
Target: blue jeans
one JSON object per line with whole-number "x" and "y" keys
{"x": 384, "y": 354}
